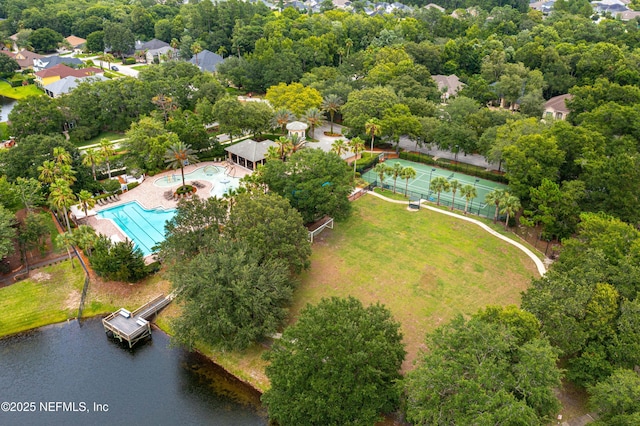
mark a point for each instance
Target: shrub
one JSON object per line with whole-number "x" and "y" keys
{"x": 186, "y": 189}
{"x": 366, "y": 162}
{"x": 129, "y": 61}
{"x": 132, "y": 185}
{"x": 118, "y": 261}
{"x": 110, "y": 185}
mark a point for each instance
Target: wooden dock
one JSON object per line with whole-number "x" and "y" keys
{"x": 131, "y": 327}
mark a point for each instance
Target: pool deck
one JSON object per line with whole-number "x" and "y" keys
{"x": 151, "y": 196}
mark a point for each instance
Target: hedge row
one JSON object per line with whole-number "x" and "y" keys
{"x": 472, "y": 170}
{"x": 366, "y": 162}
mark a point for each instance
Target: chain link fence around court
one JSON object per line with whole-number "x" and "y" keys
{"x": 418, "y": 188}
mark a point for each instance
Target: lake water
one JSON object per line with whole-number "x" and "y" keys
{"x": 6, "y": 105}
{"x": 72, "y": 374}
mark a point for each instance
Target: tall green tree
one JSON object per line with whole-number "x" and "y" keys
{"x": 469, "y": 192}
{"x": 382, "y": 170}
{"x": 249, "y": 296}
{"x": 338, "y": 364}
{"x": 495, "y": 197}
{"x": 407, "y": 173}
{"x": 492, "y": 369}
{"x": 106, "y": 152}
{"x": 373, "y": 127}
{"x": 331, "y": 104}
{"x": 313, "y": 117}
{"x": 61, "y": 198}
{"x": 396, "y": 171}
{"x": 454, "y": 185}
{"x": 509, "y": 205}
{"x": 92, "y": 157}
{"x": 7, "y": 232}
{"x": 178, "y": 155}
{"x": 438, "y": 185}
{"x": 66, "y": 240}
{"x": 274, "y": 229}
{"x": 356, "y": 145}
{"x": 615, "y": 399}
{"x": 316, "y": 183}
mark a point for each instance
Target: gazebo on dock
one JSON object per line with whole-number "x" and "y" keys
{"x": 249, "y": 153}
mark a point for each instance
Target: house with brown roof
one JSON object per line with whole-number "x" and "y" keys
{"x": 448, "y": 85}
{"x": 24, "y": 58}
{"x": 49, "y": 75}
{"x": 76, "y": 43}
{"x": 556, "y": 107}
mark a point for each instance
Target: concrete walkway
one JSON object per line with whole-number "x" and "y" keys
{"x": 539, "y": 264}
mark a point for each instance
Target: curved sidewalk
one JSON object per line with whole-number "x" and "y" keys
{"x": 539, "y": 264}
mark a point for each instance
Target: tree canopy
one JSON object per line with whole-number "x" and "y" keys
{"x": 337, "y": 364}
{"x": 316, "y": 183}
{"x": 494, "y": 368}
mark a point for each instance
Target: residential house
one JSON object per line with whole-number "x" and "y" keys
{"x": 47, "y": 62}
{"x": 448, "y": 85}
{"x": 77, "y": 43}
{"x": 60, "y": 71}
{"x": 24, "y": 58}
{"x": 67, "y": 84}
{"x": 207, "y": 60}
{"x": 556, "y": 107}
{"x": 155, "y": 49}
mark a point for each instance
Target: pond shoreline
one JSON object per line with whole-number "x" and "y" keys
{"x": 199, "y": 353}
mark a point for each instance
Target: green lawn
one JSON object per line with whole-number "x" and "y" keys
{"x": 424, "y": 266}
{"x": 18, "y": 92}
{"x": 140, "y": 67}
{"x": 51, "y": 295}
{"x": 111, "y": 136}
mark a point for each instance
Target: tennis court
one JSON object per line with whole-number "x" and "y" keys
{"x": 419, "y": 187}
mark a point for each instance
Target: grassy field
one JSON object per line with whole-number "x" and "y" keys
{"x": 18, "y": 92}
{"x": 110, "y": 136}
{"x": 424, "y": 266}
{"x": 51, "y": 295}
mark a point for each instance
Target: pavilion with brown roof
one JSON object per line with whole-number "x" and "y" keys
{"x": 249, "y": 153}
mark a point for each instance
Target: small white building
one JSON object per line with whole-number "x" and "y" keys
{"x": 297, "y": 128}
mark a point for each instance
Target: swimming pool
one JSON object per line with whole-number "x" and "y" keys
{"x": 214, "y": 174}
{"x": 144, "y": 227}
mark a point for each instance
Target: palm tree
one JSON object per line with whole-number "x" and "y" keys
{"x": 106, "y": 57}
{"x": 86, "y": 200}
{"x": 283, "y": 145}
{"x": 510, "y": 205}
{"x": 61, "y": 156}
{"x": 61, "y": 197}
{"x": 468, "y": 192}
{"x": 356, "y": 145}
{"x": 454, "y": 186}
{"x": 313, "y": 117}
{"x": 339, "y": 147}
{"x": 395, "y": 172}
{"x": 178, "y": 154}
{"x": 85, "y": 237}
{"x": 174, "y": 45}
{"x": 439, "y": 184}
{"x": 65, "y": 171}
{"x": 373, "y": 128}
{"x": 348, "y": 44}
{"x": 406, "y": 174}
{"x": 272, "y": 153}
{"x": 332, "y": 104}
{"x": 495, "y": 197}
{"x": 66, "y": 239}
{"x": 196, "y": 48}
{"x": 296, "y": 143}
{"x": 91, "y": 158}
{"x": 48, "y": 171}
{"x": 382, "y": 170}
{"x": 106, "y": 150}
{"x": 281, "y": 117}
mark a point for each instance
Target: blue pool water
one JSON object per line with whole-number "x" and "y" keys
{"x": 221, "y": 182}
{"x": 144, "y": 227}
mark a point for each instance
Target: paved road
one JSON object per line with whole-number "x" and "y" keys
{"x": 122, "y": 69}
